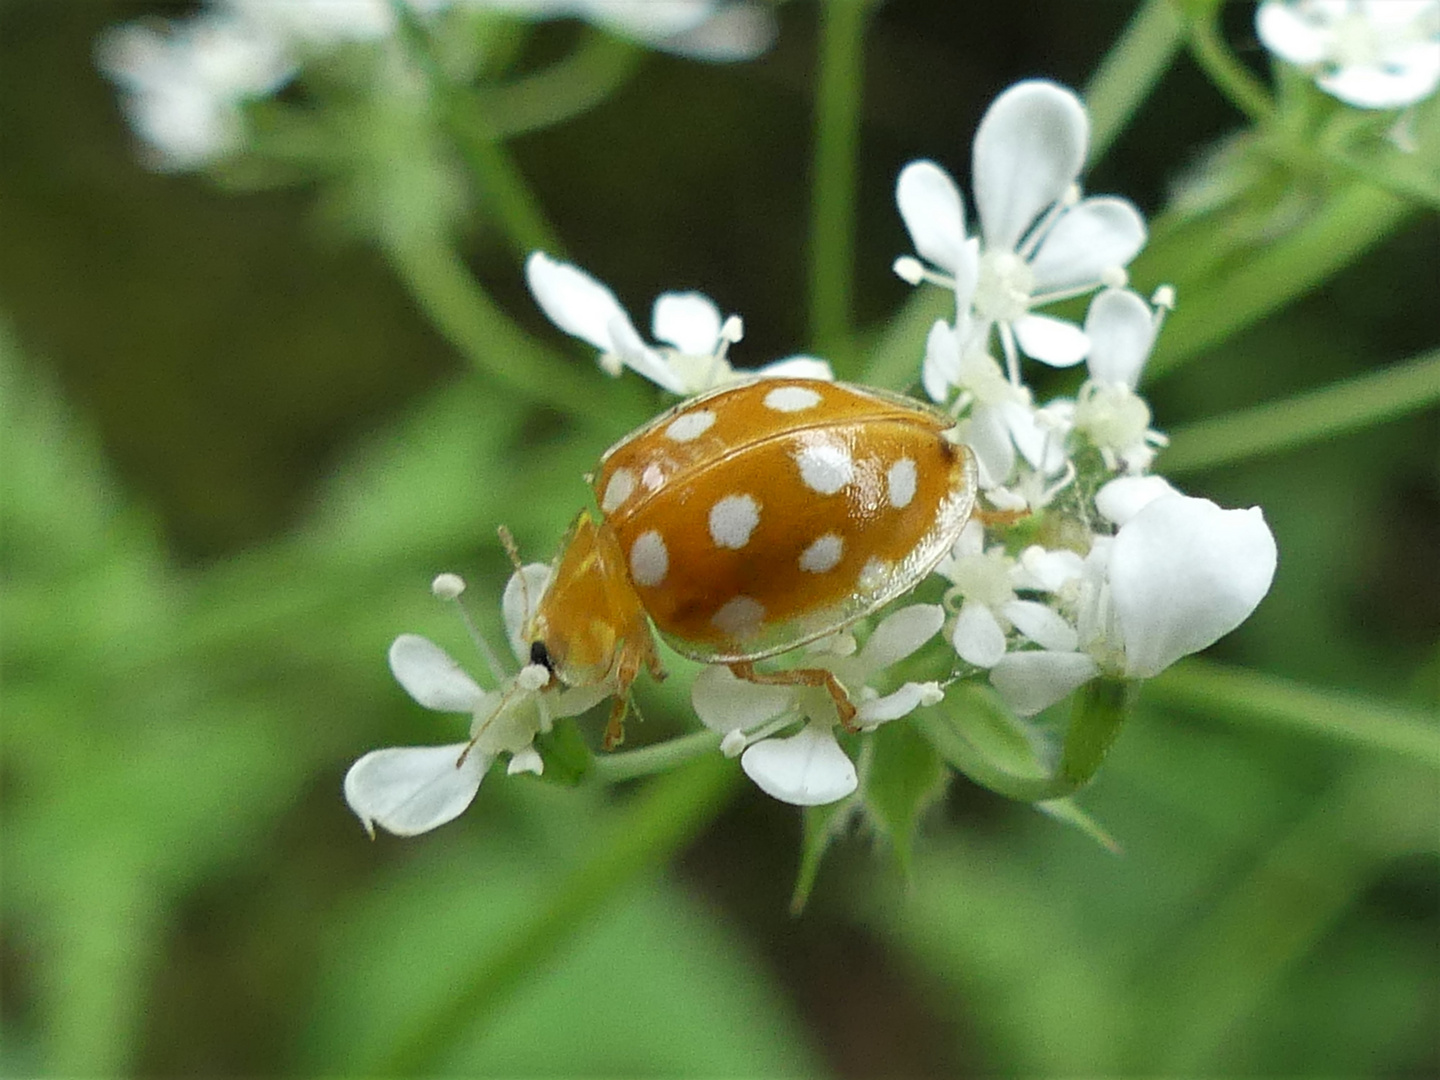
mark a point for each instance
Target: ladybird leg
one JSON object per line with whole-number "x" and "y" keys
{"x": 999, "y": 517}
{"x": 615, "y": 728}
{"x": 802, "y": 677}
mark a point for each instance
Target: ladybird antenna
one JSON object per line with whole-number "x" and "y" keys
{"x": 512, "y": 549}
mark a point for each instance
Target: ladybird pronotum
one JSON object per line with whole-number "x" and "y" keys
{"x": 748, "y": 521}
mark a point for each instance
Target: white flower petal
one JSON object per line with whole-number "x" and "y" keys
{"x": 967, "y": 277}
{"x": 1121, "y": 499}
{"x": 941, "y": 369}
{"x": 806, "y": 769}
{"x": 431, "y": 676}
{"x": 1097, "y": 235}
{"x": 409, "y": 790}
{"x": 725, "y": 703}
{"x": 518, "y": 604}
{"x": 690, "y": 321}
{"x": 573, "y": 300}
{"x": 1121, "y": 329}
{"x": 1048, "y": 571}
{"x": 1286, "y": 33}
{"x": 902, "y": 702}
{"x": 1051, "y": 341}
{"x": 1029, "y": 149}
{"x": 641, "y": 358}
{"x": 1032, "y": 438}
{"x": 797, "y": 367}
{"x": 1033, "y": 681}
{"x": 987, "y": 433}
{"x": 526, "y": 760}
{"x": 734, "y": 32}
{"x": 572, "y": 701}
{"x": 971, "y": 540}
{"x": 1184, "y": 573}
{"x": 1042, "y": 625}
{"x": 977, "y": 636}
{"x": 1382, "y": 87}
{"x": 933, "y": 212}
{"x": 899, "y": 635}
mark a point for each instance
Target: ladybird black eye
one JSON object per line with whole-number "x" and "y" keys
{"x": 539, "y": 654}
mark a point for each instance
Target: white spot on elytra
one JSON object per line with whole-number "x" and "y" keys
{"x": 825, "y": 467}
{"x": 649, "y": 561}
{"x": 873, "y": 575}
{"x": 791, "y": 399}
{"x": 901, "y": 481}
{"x": 824, "y": 554}
{"x": 620, "y": 488}
{"x": 652, "y": 477}
{"x": 739, "y": 617}
{"x": 690, "y": 426}
{"x": 732, "y": 520}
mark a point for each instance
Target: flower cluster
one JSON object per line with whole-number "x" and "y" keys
{"x": 408, "y": 790}
{"x": 1080, "y": 564}
{"x": 1372, "y": 54}
{"x": 1145, "y": 574}
{"x": 186, "y": 81}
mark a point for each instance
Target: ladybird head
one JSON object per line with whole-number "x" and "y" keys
{"x": 590, "y": 610}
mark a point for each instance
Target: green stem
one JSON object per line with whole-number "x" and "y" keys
{"x": 447, "y": 293}
{"x": 659, "y": 758}
{"x": 599, "y": 66}
{"x": 1351, "y": 405}
{"x": 640, "y": 837}
{"x": 1130, "y": 70}
{"x": 1221, "y": 66}
{"x": 894, "y": 360}
{"x": 507, "y": 196}
{"x": 1248, "y": 697}
{"x": 837, "y": 137}
{"x": 1353, "y": 220}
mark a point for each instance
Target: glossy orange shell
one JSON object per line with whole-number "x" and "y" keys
{"x": 758, "y": 517}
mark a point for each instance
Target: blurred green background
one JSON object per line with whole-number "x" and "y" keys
{"x": 235, "y": 452}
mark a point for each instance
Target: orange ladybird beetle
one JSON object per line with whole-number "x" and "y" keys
{"x": 748, "y": 521}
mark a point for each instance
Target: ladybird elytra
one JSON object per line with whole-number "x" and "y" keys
{"x": 751, "y": 520}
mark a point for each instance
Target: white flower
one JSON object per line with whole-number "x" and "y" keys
{"x": 699, "y": 29}
{"x": 1180, "y": 574}
{"x": 985, "y": 582}
{"x": 690, "y": 324}
{"x": 1041, "y": 242}
{"x": 1108, "y": 411}
{"x": 1373, "y": 54}
{"x": 320, "y": 24}
{"x": 809, "y": 768}
{"x": 408, "y": 790}
{"x": 184, "y": 84}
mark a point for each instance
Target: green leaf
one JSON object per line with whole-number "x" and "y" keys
{"x": 1099, "y": 710}
{"x": 822, "y": 825}
{"x": 1068, "y": 812}
{"x": 905, "y": 777}
{"x": 567, "y": 758}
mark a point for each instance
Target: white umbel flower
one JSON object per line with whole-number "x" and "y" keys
{"x": 1372, "y": 54}
{"x": 1041, "y": 242}
{"x": 1108, "y": 411}
{"x": 407, "y": 790}
{"x": 808, "y": 768}
{"x": 184, "y": 83}
{"x": 697, "y": 29}
{"x": 1178, "y": 575}
{"x": 697, "y": 339}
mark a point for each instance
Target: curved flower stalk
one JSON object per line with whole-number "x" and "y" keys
{"x": 693, "y": 358}
{"x": 809, "y": 768}
{"x": 1372, "y": 54}
{"x": 407, "y": 790}
{"x": 1041, "y": 242}
{"x": 186, "y": 82}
